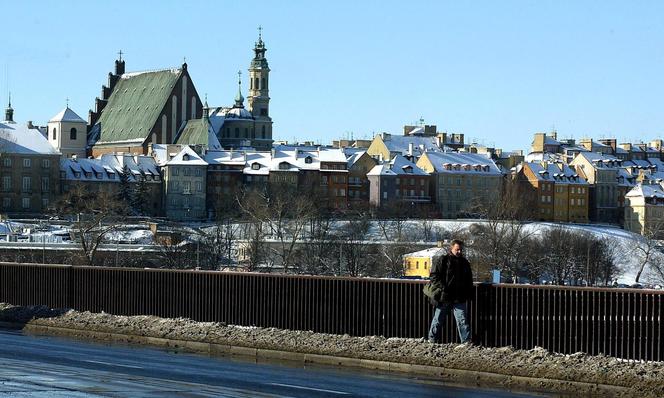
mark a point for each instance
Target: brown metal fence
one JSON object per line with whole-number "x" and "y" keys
{"x": 616, "y": 322}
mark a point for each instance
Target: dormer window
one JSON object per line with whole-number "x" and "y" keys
{"x": 408, "y": 169}
{"x": 283, "y": 166}
{"x": 255, "y": 166}
{"x": 308, "y": 160}
{"x": 185, "y": 157}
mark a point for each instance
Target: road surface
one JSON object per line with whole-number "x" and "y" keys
{"x": 38, "y": 366}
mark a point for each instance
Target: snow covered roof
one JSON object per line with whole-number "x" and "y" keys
{"x": 186, "y": 157}
{"x": 108, "y": 167}
{"x": 258, "y": 163}
{"x": 646, "y": 191}
{"x": 401, "y": 143}
{"x": 354, "y": 157}
{"x": 67, "y": 115}
{"x": 18, "y": 138}
{"x": 430, "y": 252}
{"x": 559, "y": 173}
{"x": 236, "y": 158}
{"x": 456, "y": 162}
{"x": 398, "y": 166}
{"x": 601, "y": 160}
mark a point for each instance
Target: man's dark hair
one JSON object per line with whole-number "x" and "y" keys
{"x": 457, "y": 242}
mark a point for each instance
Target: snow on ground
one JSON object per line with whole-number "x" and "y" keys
{"x": 412, "y": 231}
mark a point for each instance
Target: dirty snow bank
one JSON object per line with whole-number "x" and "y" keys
{"x": 643, "y": 379}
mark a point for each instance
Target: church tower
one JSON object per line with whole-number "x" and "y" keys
{"x": 259, "y": 98}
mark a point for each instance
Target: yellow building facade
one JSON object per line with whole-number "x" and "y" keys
{"x": 418, "y": 264}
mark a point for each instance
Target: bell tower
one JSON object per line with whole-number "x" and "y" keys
{"x": 259, "y": 71}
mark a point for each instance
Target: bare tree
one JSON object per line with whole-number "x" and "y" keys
{"x": 390, "y": 259}
{"x": 97, "y": 214}
{"x": 646, "y": 247}
{"x": 501, "y": 239}
{"x": 354, "y": 253}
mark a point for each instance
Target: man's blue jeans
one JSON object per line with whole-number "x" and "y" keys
{"x": 460, "y": 311}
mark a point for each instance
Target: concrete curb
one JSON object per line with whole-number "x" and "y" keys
{"x": 453, "y": 376}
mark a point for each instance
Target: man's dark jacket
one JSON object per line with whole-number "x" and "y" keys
{"x": 454, "y": 277}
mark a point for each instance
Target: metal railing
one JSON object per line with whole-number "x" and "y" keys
{"x": 616, "y": 322}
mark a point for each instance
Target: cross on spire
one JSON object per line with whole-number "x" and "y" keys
{"x": 120, "y": 54}
{"x": 239, "y": 77}
{"x": 260, "y": 33}
{"x": 67, "y": 100}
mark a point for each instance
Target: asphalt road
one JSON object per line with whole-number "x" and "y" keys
{"x": 38, "y": 366}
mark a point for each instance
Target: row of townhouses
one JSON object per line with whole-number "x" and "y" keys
{"x": 189, "y": 160}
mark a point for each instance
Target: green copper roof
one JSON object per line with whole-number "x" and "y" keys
{"x": 135, "y": 105}
{"x": 195, "y": 132}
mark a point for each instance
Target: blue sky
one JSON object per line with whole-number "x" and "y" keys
{"x": 496, "y": 71}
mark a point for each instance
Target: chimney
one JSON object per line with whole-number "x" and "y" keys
{"x": 410, "y": 149}
{"x": 30, "y": 125}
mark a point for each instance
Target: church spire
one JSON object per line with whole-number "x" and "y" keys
{"x": 9, "y": 111}
{"x": 239, "y": 99}
{"x": 206, "y": 110}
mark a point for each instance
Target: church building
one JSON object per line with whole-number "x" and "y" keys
{"x": 139, "y": 109}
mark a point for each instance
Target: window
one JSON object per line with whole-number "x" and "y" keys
{"x": 27, "y": 184}
{"x": 342, "y": 192}
{"x": 7, "y": 162}
{"x": 237, "y": 132}
{"x": 176, "y": 171}
{"x": 45, "y": 184}
{"x": 308, "y": 160}
{"x": 199, "y": 172}
{"x": 385, "y": 195}
{"x": 72, "y": 133}
{"x": 6, "y": 203}
{"x": 199, "y": 186}
{"x": 283, "y": 166}
{"x": 54, "y": 133}
{"x": 186, "y": 187}
{"x": 6, "y": 183}
{"x": 27, "y": 162}
{"x": 26, "y": 203}
{"x": 255, "y": 166}
{"x": 44, "y": 203}
{"x": 46, "y": 163}
{"x": 263, "y": 132}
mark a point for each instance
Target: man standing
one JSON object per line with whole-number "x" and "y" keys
{"x": 453, "y": 277}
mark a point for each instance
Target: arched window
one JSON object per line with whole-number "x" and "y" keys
{"x": 54, "y": 133}
{"x": 237, "y": 132}
{"x": 184, "y": 98}
{"x": 164, "y": 129}
{"x": 174, "y": 116}
{"x": 263, "y": 86}
{"x": 256, "y": 83}
{"x": 263, "y": 132}
{"x": 246, "y": 132}
{"x": 193, "y": 107}
{"x": 72, "y": 133}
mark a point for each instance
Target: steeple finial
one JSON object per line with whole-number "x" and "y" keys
{"x": 67, "y": 102}
{"x": 120, "y": 55}
{"x": 206, "y": 110}
{"x": 260, "y": 33}
{"x": 239, "y": 99}
{"x": 9, "y": 112}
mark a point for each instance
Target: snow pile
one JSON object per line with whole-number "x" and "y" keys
{"x": 642, "y": 379}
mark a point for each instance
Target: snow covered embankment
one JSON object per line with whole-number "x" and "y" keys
{"x": 640, "y": 379}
